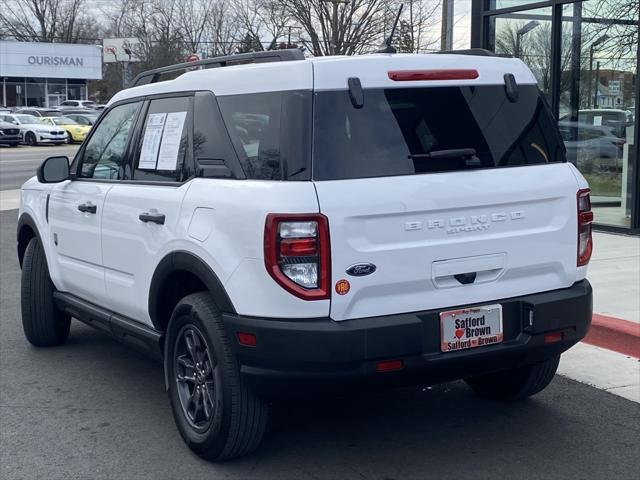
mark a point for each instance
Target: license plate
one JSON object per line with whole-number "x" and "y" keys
{"x": 470, "y": 328}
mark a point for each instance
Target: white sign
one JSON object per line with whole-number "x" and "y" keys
{"x": 50, "y": 60}
{"x": 168, "y": 156}
{"x": 151, "y": 141}
{"x": 614, "y": 87}
{"x": 120, "y": 50}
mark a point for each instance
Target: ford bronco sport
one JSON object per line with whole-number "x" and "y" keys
{"x": 269, "y": 223}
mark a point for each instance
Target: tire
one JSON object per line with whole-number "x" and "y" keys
{"x": 30, "y": 139}
{"x": 237, "y": 419}
{"x": 13, "y": 144}
{"x": 517, "y": 383}
{"x": 43, "y": 323}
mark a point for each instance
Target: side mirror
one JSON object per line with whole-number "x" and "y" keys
{"x": 53, "y": 170}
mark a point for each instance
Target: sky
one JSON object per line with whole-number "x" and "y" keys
{"x": 462, "y": 24}
{"x": 461, "y": 30}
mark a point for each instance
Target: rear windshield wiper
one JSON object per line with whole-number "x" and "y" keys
{"x": 450, "y": 153}
{"x": 469, "y": 154}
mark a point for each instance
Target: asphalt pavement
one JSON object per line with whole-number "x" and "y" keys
{"x": 93, "y": 409}
{"x": 17, "y": 164}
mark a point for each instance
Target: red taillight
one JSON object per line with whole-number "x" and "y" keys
{"x": 247, "y": 339}
{"x": 389, "y": 366}
{"x": 297, "y": 253}
{"x": 448, "y": 74}
{"x": 585, "y": 220}
{"x": 553, "y": 337}
{"x": 299, "y": 247}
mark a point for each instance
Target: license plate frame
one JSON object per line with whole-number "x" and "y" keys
{"x": 477, "y": 327}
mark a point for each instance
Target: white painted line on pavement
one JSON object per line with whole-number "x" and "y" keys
{"x": 604, "y": 369}
{"x": 9, "y": 199}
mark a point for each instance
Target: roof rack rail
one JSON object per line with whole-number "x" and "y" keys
{"x": 479, "y": 52}
{"x": 284, "y": 55}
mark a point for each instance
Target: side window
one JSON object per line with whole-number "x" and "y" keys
{"x": 163, "y": 153}
{"x": 271, "y": 133}
{"x": 105, "y": 153}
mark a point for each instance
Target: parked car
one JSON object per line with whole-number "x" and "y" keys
{"x": 77, "y": 104}
{"x": 438, "y": 233}
{"x": 40, "y": 112}
{"x": 83, "y": 118}
{"x": 75, "y": 131}
{"x": 9, "y": 134}
{"x": 597, "y": 144}
{"x": 617, "y": 119}
{"x": 33, "y": 131}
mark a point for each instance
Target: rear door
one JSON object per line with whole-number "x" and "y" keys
{"x": 141, "y": 217}
{"x": 457, "y": 195}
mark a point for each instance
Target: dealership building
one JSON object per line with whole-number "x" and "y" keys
{"x": 47, "y": 74}
{"x": 584, "y": 55}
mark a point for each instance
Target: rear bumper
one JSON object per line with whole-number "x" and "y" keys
{"x": 323, "y": 353}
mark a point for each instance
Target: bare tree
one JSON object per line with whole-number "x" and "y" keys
{"x": 262, "y": 19}
{"x": 338, "y": 27}
{"x": 194, "y": 16}
{"x": 423, "y": 17}
{"x": 535, "y": 50}
{"x": 46, "y": 21}
{"x": 620, "y": 21}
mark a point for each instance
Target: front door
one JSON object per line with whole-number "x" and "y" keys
{"x": 75, "y": 212}
{"x": 76, "y": 206}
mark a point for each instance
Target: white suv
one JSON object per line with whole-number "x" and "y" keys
{"x": 289, "y": 225}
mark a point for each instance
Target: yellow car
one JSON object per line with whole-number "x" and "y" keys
{"x": 76, "y": 132}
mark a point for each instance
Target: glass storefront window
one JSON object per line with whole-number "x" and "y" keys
{"x": 15, "y": 94}
{"x": 76, "y": 92}
{"x": 35, "y": 92}
{"x": 497, "y": 4}
{"x": 56, "y": 93}
{"x": 584, "y": 54}
{"x": 526, "y": 36}
{"x": 597, "y": 104}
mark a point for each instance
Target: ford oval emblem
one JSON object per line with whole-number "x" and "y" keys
{"x": 361, "y": 269}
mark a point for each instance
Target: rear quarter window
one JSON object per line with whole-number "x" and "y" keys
{"x": 271, "y": 133}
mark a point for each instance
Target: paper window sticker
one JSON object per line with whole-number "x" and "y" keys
{"x": 597, "y": 121}
{"x": 171, "y": 138}
{"x": 151, "y": 141}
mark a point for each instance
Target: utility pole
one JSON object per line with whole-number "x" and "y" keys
{"x": 446, "y": 39}
{"x": 595, "y": 90}
{"x": 592, "y": 48}
{"x": 334, "y": 24}
{"x": 413, "y": 41}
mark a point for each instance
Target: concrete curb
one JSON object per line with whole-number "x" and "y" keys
{"x": 615, "y": 334}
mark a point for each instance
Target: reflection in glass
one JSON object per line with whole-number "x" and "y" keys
{"x": 597, "y": 100}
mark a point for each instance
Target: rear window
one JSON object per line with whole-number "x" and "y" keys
{"x": 408, "y": 131}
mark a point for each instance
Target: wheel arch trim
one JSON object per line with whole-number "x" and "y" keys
{"x": 26, "y": 221}
{"x": 186, "y": 261}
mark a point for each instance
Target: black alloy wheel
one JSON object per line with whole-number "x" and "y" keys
{"x": 197, "y": 377}
{"x": 31, "y": 139}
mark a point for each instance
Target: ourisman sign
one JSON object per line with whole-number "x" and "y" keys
{"x": 51, "y": 60}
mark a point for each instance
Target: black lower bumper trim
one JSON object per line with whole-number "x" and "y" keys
{"x": 324, "y": 351}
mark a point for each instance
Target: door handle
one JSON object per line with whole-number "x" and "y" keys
{"x": 147, "y": 217}
{"x": 87, "y": 208}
